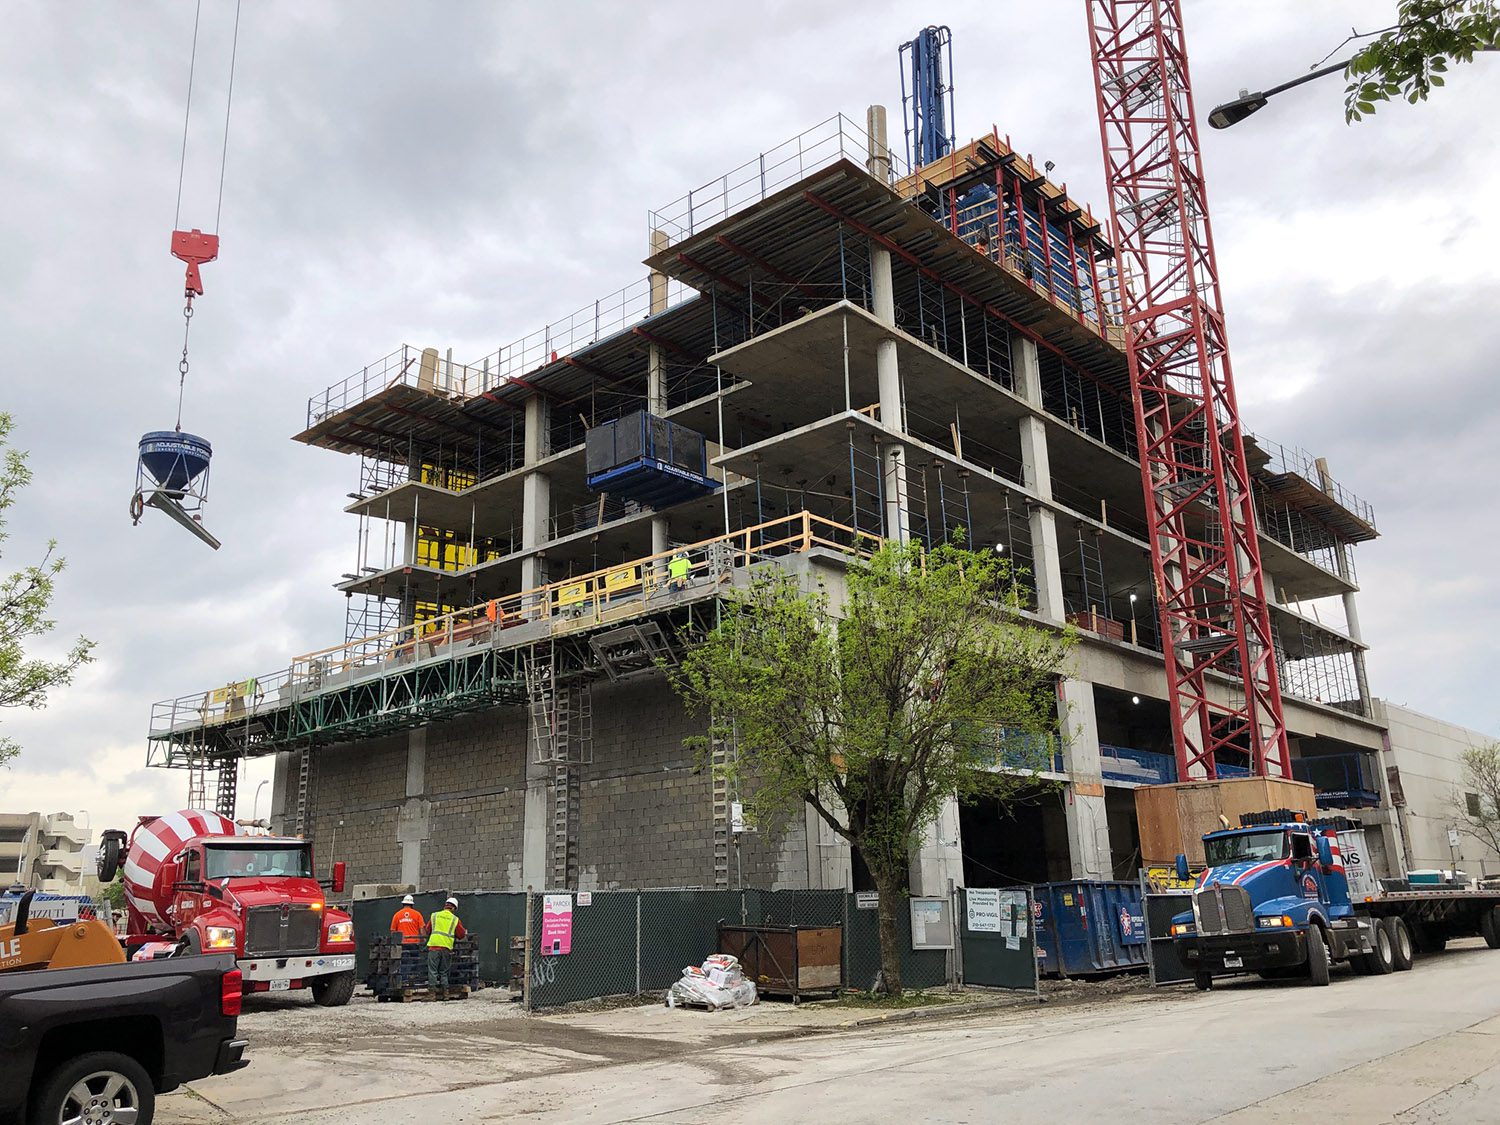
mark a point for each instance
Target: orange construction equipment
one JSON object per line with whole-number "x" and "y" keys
{"x": 41, "y": 943}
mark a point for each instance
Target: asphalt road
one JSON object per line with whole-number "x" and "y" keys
{"x": 1421, "y": 1046}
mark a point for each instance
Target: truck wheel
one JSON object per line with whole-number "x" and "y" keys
{"x": 334, "y": 990}
{"x": 98, "y": 1086}
{"x": 1203, "y": 982}
{"x": 1401, "y": 947}
{"x": 1382, "y": 959}
{"x": 1317, "y": 957}
{"x": 1489, "y": 927}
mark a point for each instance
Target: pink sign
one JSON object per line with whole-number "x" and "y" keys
{"x": 557, "y": 925}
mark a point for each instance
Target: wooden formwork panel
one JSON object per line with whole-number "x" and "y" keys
{"x": 1173, "y": 818}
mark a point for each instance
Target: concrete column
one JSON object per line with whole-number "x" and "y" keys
{"x": 656, "y": 403}
{"x": 281, "y": 774}
{"x": 414, "y": 822}
{"x": 939, "y": 856}
{"x": 1088, "y": 823}
{"x": 888, "y": 374}
{"x": 1036, "y": 474}
{"x": 536, "y": 494}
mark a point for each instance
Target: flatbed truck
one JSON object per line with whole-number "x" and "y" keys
{"x": 1289, "y": 899}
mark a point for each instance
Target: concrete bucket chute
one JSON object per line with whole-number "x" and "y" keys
{"x": 172, "y": 476}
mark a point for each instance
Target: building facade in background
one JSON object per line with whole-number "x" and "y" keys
{"x": 827, "y": 349}
{"x": 1426, "y": 780}
{"x": 45, "y": 853}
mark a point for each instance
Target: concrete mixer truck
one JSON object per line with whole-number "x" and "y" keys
{"x": 195, "y": 875}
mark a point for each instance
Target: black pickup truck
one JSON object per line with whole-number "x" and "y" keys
{"x": 97, "y": 1044}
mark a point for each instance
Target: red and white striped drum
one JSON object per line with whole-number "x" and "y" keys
{"x": 153, "y": 844}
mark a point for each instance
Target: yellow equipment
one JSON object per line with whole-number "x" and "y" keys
{"x": 41, "y": 943}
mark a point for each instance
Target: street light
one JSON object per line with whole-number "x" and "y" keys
{"x": 255, "y": 804}
{"x": 1233, "y": 112}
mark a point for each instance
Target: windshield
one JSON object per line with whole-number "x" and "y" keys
{"x": 1252, "y": 847}
{"x": 239, "y": 863}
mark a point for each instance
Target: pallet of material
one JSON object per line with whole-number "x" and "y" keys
{"x": 413, "y": 995}
{"x": 1173, "y": 818}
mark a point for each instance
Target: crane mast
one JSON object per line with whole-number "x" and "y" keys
{"x": 1222, "y": 679}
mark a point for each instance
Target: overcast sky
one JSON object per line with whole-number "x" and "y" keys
{"x": 459, "y": 174}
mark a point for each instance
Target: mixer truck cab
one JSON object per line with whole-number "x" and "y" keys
{"x": 190, "y": 876}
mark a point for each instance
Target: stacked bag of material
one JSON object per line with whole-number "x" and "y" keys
{"x": 716, "y": 984}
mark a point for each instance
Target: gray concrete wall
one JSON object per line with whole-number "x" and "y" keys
{"x": 450, "y": 799}
{"x": 1425, "y": 751}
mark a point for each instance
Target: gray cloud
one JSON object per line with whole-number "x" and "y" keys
{"x": 460, "y": 174}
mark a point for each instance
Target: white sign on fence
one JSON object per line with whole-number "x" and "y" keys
{"x": 982, "y": 910}
{"x": 867, "y": 900}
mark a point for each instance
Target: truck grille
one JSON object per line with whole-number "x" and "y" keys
{"x": 269, "y": 932}
{"x": 1223, "y": 910}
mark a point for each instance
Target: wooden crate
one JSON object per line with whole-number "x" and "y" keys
{"x": 790, "y": 961}
{"x": 1173, "y": 818}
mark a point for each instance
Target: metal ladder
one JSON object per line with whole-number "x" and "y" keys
{"x": 304, "y": 790}
{"x": 198, "y": 781}
{"x": 229, "y": 783}
{"x": 572, "y": 747}
{"x": 541, "y": 694}
{"x": 721, "y": 748}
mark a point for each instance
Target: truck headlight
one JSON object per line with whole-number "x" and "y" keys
{"x": 1182, "y": 928}
{"x": 220, "y": 937}
{"x": 341, "y": 931}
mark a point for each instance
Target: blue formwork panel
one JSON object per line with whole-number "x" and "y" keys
{"x": 647, "y": 459}
{"x": 1089, "y": 928}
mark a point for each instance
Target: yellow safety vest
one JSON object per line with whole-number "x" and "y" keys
{"x": 444, "y": 926}
{"x": 678, "y": 567}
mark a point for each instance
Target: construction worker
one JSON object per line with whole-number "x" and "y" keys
{"x": 445, "y": 928}
{"x": 677, "y": 572}
{"x": 408, "y": 922}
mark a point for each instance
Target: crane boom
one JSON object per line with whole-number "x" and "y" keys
{"x": 1200, "y": 512}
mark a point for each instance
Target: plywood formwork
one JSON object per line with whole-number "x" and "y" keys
{"x": 1173, "y": 818}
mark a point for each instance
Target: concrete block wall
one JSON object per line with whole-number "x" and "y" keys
{"x": 646, "y": 815}
{"x": 363, "y": 784}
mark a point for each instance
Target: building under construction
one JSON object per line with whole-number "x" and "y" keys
{"x": 827, "y": 347}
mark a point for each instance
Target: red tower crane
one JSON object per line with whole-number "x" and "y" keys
{"x": 1216, "y": 629}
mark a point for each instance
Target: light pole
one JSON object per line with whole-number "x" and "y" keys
{"x": 255, "y": 804}
{"x": 1233, "y": 112}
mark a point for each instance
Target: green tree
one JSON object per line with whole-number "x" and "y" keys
{"x": 921, "y": 683}
{"x": 114, "y": 893}
{"x": 1476, "y": 803}
{"x": 25, "y": 597}
{"x": 1410, "y": 58}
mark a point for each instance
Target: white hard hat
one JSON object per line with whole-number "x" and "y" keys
{"x": 408, "y": 901}
{"x": 451, "y": 902}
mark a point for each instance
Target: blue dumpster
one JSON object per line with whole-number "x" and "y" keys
{"x": 1089, "y": 928}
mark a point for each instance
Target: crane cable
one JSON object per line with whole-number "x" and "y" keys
{"x": 187, "y": 311}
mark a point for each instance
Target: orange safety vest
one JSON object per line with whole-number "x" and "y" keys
{"x": 408, "y": 923}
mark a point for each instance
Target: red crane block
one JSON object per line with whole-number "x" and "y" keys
{"x": 195, "y": 248}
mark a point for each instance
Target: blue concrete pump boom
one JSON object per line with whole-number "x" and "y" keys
{"x": 927, "y": 95}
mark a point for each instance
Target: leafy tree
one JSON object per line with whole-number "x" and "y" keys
{"x": 1480, "y": 818}
{"x": 875, "y": 708}
{"x": 24, "y": 598}
{"x": 1410, "y": 58}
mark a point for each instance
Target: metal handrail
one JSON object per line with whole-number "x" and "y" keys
{"x": 833, "y": 139}
{"x": 565, "y": 605}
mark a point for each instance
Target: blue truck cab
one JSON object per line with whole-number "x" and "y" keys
{"x": 1273, "y": 899}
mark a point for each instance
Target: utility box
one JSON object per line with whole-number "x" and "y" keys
{"x": 1173, "y": 818}
{"x": 790, "y": 961}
